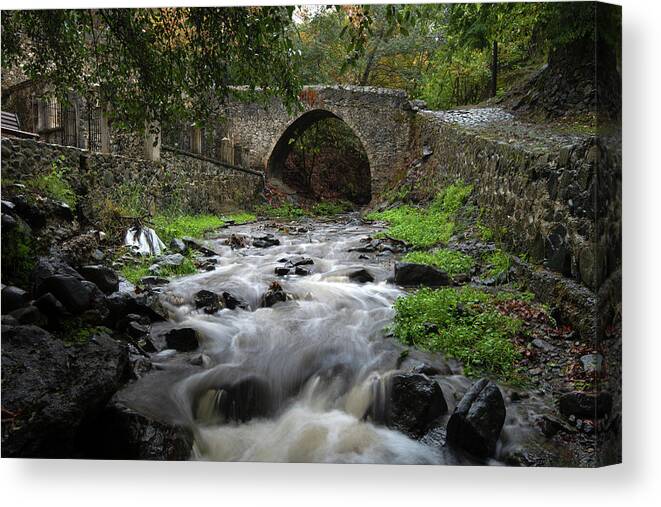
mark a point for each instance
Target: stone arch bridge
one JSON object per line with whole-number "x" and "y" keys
{"x": 380, "y": 118}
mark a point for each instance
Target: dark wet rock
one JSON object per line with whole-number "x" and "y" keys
{"x": 551, "y": 425}
{"x": 585, "y": 404}
{"x": 51, "y": 307}
{"x": 104, "y": 278}
{"x": 129, "y": 434}
{"x": 47, "y": 267}
{"x": 121, "y": 304}
{"x": 300, "y": 271}
{"x": 208, "y": 301}
{"x": 13, "y": 298}
{"x": 413, "y": 402}
{"x": 183, "y": 339}
{"x": 237, "y": 241}
{"x": 30, "y": 315}
{"x": 265, "y": 241}
{"x": 34, "y": 215}
{"x": 232, "y": 303}
{"x": 282, "y": 271}
{"x": 412, "y": 275}
{"x": 178, "y": 246}
{"x": 167, "y": 262}
{"x": 50, "y": 391}
{"x": 361, "y": 276}
{"x": 461, "y": 279}
{"x": 292, "y": 262}
{"x": 478, "y": 419}
{"x": 153, "y": 281}
{"x": 69, "y": 290}
{"x": 194, "y": 244}
{"x": 8, "y": 320}
{"x": 136, "y": 330}
{"x": 274, "y": 294}
{"x": 543, "y": 345}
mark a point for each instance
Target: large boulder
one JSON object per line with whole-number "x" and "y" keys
{"x": 412, "y": 403}
{"x": 13, "y": 298}
{"x": 208, "y": 301}
{"x": 412, "y": 275}
{"x": 361, "y": 276}
{"x": 103, "y": 277}
{"x": 73, "y": 293}
{"x": 586, "y": 405}
{"x": 47, "y": 267}
{"x": 265, "y": 241}
{"x": 50, "y": 390}
{"x": 129, "y": 434}
{"x": 478, "y": 419}
{"x": 30, "y": 315}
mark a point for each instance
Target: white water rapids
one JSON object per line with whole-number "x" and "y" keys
{"x": 310, "y": 364}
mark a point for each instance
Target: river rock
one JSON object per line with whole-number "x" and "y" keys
{"x": 361, "y": 276}
{"x": 51, "y": 307}
{"x": 50, "y": 391}
{"x": 588, "y": 405}
{"x": 183, "y": 339}
{"x": 232, "y": 303}
{"x": 411, "y": 275}
{"x": 240, "y": 399}
{"x": 265, "y": 241}
{"x": 178, "y": 246}
{"x": 282, "y": 271}
{"x": 196, "y": 245}
{"x": 413, "y": 403}
{"x": 208, "y": 301}
{"x": 47, "y": 267}
{"x": 13, "y": 298}
{"x": 104, "y": 278}
{"x": 153, "y": 281}
{"x": 275, "y": 294}
{"x": 30, "y": 315}
{"x": 69, "y": 290}
{"x": 128, "y": 434}
{"x": 300, "y": 271}
{"x": 292, "y": 262}
{"x": 478, "y": 419}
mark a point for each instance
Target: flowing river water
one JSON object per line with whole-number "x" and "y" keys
{"x": 293, "y": 382}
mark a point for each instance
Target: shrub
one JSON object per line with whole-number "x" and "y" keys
{"x": 286, "y": 210}
{"x": 55, "y": 185}
{"x": 499, "y": 263}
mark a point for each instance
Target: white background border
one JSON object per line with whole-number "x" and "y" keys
{"x": 637, "y": 482}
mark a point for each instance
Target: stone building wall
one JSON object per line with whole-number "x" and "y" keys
{"x": 176, "y": 182}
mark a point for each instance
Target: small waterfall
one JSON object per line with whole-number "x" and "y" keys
{"x": 144, "y": 240}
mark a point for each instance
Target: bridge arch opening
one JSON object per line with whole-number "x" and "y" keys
{"x": 321, "y": 157}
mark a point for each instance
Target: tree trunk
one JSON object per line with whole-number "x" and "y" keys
{"x": 494, "y": 69}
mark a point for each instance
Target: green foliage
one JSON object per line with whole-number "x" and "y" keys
{"x": 450, "y": 261}
{"x": 461, "y": 323}
{"x": 159, "y": 64}
{"x": 55, "y": 184}
{"x": 329, "y": 208}
{"x": 135, "y": 271}
{"x": 499, "y": 263}
{"x": 18, "y": 255}
{"x": 485, "y": 233}
{"x": 240, "y": 218}
{"x": 287, "y": 211}
{"x": 195, "y": 226}
{"x": 426, "y": 227}
{"x": 185, "y": 268}
{"x": 82, "y": 335}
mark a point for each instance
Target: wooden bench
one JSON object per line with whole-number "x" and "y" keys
{"x": 10, "y": 126}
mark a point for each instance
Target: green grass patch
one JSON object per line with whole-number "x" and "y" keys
{"x": 450, "y": 261}
{"x": 287, "y": 211}
{"x": 81, "y": 336}
{"x": 240, "y": 218}
{"x": 195, "y": 226}
{"x": 463, "y": 324}
{"x": 426, "y": 227}
{"x": 499, "y": 263}
{"x": 55, "y": 185}
{"x": 135, "y": 271}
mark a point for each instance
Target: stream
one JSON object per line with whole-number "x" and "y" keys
{"x": 293, "y": 382}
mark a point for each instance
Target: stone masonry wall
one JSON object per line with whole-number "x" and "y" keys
{"x": 176, "y": 182}
{"x": 380, "y": 118}
{"x": 540, "y": 194}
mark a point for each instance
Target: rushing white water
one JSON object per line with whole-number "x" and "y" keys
{"x": 144, "y": 240}
{"x": 293, "y": 382}
{"x": 310, "y": 363}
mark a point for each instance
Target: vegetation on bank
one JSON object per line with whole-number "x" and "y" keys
{"x": 289, "y": 211}
{"x": 426, "y": 227}
{"x": 55, "y": 184}
{"x": 450, "y": 261}
{"x": 461, "y": 323}
{"x": 134, "y": 271}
